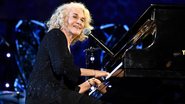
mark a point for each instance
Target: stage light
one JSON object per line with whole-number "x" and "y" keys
{"x": 92, "y": 58}
{"x": 126, "y": 27}
{"x": 38, "y": 23}
{"x": 107, "y": 26}
{"x": 8, "y": 55}
{"x": 109, "y": 86}
{"x": 139, "y": 46}
{"x": 18, "y": 25}
{"x": 17, "y": 92}
{"x": 7, "y": 85}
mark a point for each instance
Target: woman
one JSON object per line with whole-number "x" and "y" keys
{"x": 54, "y": 76}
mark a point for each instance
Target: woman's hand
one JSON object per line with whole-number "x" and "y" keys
{"x": 100, "y": 86}
{"x": 88, "y": 84}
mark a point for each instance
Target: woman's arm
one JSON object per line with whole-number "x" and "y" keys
{"x": 93, "y": 72}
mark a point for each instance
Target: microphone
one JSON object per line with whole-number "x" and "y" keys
{"x": 87, "y": 32}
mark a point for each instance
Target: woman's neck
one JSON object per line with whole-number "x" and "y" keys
{"x": 69, "y": 38}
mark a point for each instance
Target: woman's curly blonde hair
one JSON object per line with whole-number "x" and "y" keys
{"x": 57, "y": 19}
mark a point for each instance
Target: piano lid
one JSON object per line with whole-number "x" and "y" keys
{"x": 163, "y": 36}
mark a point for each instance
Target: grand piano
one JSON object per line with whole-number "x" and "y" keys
{"x": 152, "y": 54}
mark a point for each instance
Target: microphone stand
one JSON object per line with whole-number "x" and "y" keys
{"x": 101, "y": 45}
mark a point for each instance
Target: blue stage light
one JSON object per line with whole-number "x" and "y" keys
{"x": 126, "y": 27}
{"x": 18, "y": 25}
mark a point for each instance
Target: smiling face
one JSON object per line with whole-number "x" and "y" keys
{"x": 75, "y": 22}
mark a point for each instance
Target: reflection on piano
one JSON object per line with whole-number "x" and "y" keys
{"x": 156, "y": 69}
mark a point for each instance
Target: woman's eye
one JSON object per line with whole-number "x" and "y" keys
{"x": 74, "y": 16}
{"x": 82, "y": 20}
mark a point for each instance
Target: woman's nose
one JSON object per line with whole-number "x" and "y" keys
{"x": 79, "y": 21}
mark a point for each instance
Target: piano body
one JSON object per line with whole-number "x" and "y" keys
{"x": 153, "y": 57}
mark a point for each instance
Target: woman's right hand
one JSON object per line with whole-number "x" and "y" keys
{"x": 100, "y": 86}
{"x": 94, "y": 82}
{"x": 88, "y": 84}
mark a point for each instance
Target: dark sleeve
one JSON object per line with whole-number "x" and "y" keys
{"x": 57, "y": 48}
{"x": 77, "y": 88}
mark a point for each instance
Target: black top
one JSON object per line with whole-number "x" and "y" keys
{"x": 54, "y": 76}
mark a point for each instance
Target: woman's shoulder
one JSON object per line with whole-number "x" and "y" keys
{"x": 54, "y": 30}
{"x": 55, "y": 33}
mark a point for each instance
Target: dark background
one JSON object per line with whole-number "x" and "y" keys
{"x": 118, "y": 12}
